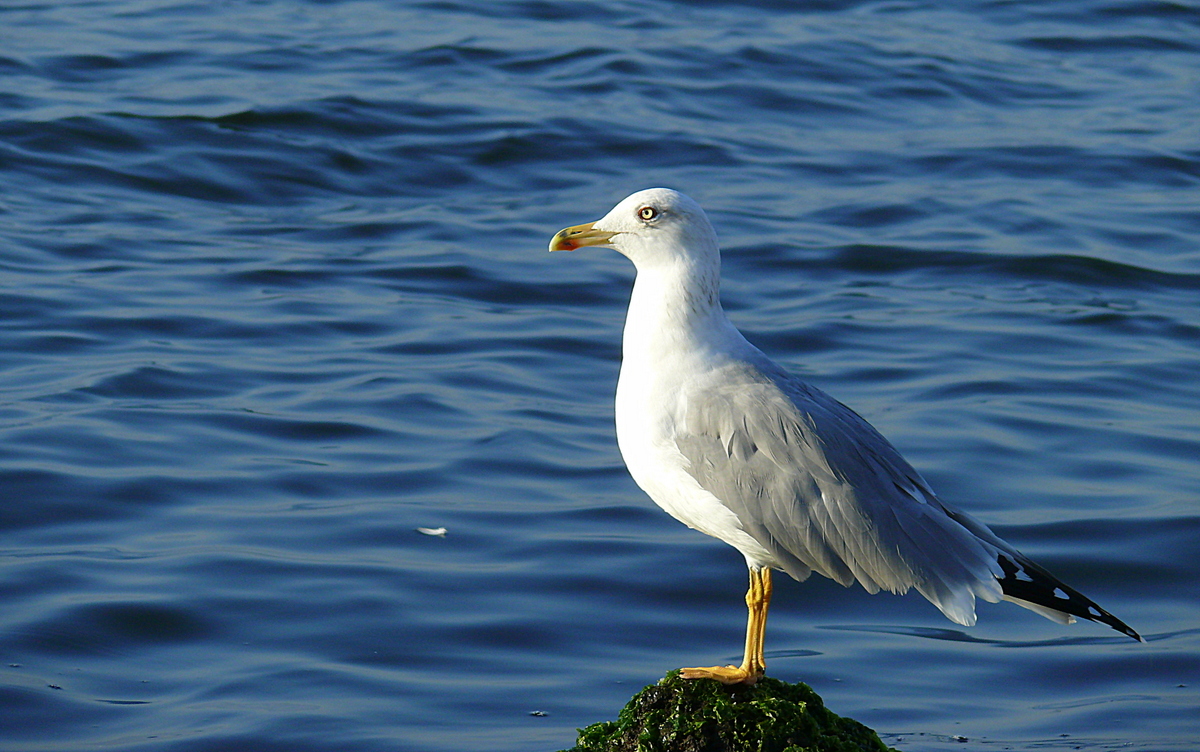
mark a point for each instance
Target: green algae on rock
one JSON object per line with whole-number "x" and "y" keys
{"x": 701, "y": 715}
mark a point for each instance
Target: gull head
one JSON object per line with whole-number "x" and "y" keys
{"x": 654, "y": 227}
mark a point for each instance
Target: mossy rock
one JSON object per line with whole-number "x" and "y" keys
{"x": 702, "y": 715}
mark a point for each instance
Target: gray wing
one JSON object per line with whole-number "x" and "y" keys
{"x": 823, "y": 491}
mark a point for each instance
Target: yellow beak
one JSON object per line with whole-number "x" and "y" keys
{"x": 579, "y": 236}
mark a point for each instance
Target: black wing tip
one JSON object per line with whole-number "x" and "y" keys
{"x": 1116, "y": 624}
{"x": 1124, "y": 628}
{"x": 1026, "y": 581}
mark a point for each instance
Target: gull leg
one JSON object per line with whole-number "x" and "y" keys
{"x": 764, "y": 604}
{"x": 758, "y": 600}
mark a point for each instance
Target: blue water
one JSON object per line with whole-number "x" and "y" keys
{"x": 274, "y": 293}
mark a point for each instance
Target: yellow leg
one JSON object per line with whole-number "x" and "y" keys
{"x": 754, "y": 664}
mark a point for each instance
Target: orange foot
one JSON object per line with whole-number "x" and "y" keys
{"x": 723, "y": 674}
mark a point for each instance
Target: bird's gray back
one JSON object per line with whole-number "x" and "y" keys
{"x": 821, "y": 489}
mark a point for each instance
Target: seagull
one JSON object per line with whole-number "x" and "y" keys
{"x": 730, "y": 444}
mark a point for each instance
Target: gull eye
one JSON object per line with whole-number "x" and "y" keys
{"x": 648, "y": 213}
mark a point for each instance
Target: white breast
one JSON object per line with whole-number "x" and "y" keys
{"x": 646, "y": 412}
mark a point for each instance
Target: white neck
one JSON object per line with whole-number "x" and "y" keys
{"x": 675, "y": 319}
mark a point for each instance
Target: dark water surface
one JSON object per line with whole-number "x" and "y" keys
{"x": 275, "y": 294}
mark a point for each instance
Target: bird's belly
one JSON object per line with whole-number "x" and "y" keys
{"x": 660, "y": 470}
